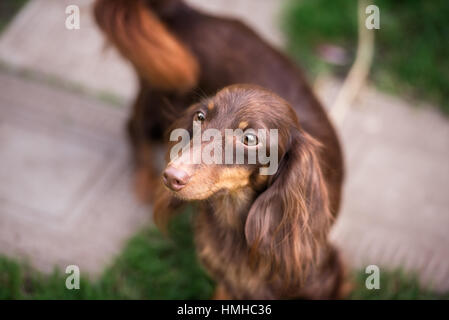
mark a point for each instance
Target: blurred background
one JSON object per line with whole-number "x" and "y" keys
{"x": 66, "y": 182}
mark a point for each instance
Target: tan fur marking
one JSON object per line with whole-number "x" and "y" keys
{"x": 260, "y": 180}
{"x": 211, "y": 106}
{"x": 243, "y": 125}
{"x": 232, "y": 179}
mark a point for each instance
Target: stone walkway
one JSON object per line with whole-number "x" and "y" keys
{"x": 396, "y": 203}
{"x": 65, "y": 192}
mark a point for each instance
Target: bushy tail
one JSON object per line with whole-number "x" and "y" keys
{"x": 142, "y": 38}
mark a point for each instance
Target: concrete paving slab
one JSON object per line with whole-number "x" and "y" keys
{"x": 262, "y": 16}
{"x": 38, "y": 40}
{"x": 66, "y": 183}
{"x": 396, "y": 205}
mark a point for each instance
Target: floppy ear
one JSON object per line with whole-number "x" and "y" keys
{"x": 289, "y": 220}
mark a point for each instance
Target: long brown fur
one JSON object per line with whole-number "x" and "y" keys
{"x": 141, "y": 37}
{"x": 293, "y": 212}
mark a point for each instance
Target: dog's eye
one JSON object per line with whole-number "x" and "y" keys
{"x": 249, "y": 139}
{"x": 199, "y": 116}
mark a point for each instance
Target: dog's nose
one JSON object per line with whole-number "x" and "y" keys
{"x": 175, "y": 179}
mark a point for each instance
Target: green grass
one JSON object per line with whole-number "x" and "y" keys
{"x": 394, "y": 285}
{"x": 150, "y": 267}
{"x": 155, "y": 267}
{"x": 412, "y": 44}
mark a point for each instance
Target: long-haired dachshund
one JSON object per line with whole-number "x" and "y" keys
{"x": 260, "y": 236}
{"x": 180, "y": 54}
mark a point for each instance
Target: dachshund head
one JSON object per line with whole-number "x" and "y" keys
{"x": 229, "y": 142}
{"x": 288, "y": 214}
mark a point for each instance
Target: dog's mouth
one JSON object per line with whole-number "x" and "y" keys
{"x": 188, "y": 185}
{"x": 187, "y": 195}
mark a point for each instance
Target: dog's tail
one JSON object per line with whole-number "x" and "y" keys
{"x": 158, "y": 57}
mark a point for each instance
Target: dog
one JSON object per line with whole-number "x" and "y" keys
{"x": 180, "y": 55}
{"x": 259, "y": 236}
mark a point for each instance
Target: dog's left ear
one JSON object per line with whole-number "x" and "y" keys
{"x": 289, "y": 220}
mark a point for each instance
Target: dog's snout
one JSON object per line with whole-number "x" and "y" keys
{"x": 175, "y": 179}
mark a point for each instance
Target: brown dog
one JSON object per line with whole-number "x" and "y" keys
{"x": 259, "y": 236}
{"x": 181, "y": 54}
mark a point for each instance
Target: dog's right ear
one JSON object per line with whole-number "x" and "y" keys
{"x": 287, "y": 221}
